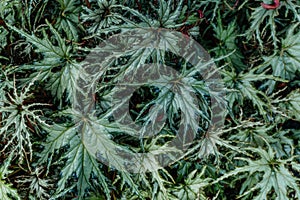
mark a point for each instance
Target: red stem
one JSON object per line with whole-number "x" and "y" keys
{"x": 275, "y": 5}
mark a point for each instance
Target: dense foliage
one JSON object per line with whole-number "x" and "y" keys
{"x": 255, "y": 46}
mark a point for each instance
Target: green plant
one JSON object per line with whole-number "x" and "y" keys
{"x": 50, "y": 118}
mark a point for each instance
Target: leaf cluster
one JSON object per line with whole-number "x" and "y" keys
{"x": 65, "y": 135}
